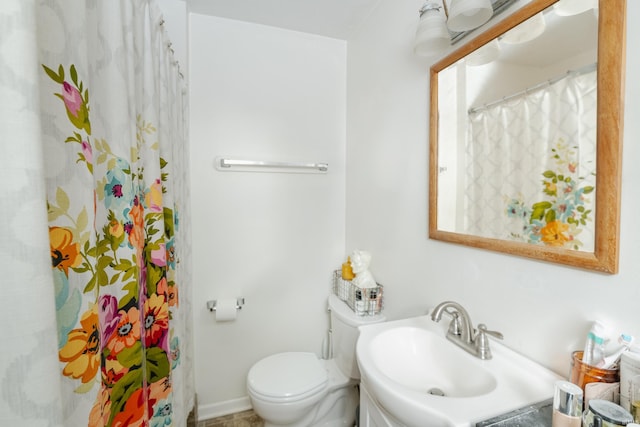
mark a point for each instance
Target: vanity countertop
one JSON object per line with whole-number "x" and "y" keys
{"x": 538, "y": 415}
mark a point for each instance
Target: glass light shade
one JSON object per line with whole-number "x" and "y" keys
{"x": 485, "y": 54}
{"x": 574, "y": 7}
{"x": 432, "y": 36}
{"x": 465, "y": 15}
{"x": 526, "y": 31}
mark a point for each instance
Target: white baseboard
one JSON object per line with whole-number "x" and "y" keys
{"x": 214, "y": 410}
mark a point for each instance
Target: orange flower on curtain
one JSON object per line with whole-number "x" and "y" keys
{"x": 65, "y": 253}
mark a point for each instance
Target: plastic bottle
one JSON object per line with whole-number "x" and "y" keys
{"x": 612, "y": 360}
{"x": 347, "y": 270}
{"x": 594, "y": 348}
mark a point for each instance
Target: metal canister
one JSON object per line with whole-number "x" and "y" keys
{"x": 602, "y": 413}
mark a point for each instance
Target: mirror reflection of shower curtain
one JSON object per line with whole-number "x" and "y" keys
{"x": 509, "y": 147}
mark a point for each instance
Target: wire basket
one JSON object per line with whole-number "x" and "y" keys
{"x": 363, "y": 301}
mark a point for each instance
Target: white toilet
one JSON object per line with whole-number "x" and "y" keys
{"x": 299, "y": 390}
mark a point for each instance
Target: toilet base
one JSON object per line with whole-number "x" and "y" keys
{"x": 337, "y": 409}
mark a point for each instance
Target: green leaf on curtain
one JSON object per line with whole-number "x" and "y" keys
{"x": 84, "y": 237}
{"x": 154, "y": 275}
{"x": 158, "y": 366}
{"x": 122, "y": 391}
{"x": 132, "y": 292}
{"x": 588, "y": 189}
{"x": 539, "y": 210}
{"x": 101, "y": 183}
{"x": 550, "y": 216}
{"x": 83, "y": 220}
{"x": 163, "y": 163}
{"x": 168, "y": 222}
{"x": 103, "y": 246}
{"x": 102, "y": 278}
{"x": 114, "y": 278}
{"x": 129, "y": 273}
{"x": 91, "y": 284}
{"x": 74, "y": 74}
{"x": 102, "y": 157}
{"x": 62, "y": 199}
{"x": 61, "y": 71}
{"x": 104, "y": 262}
{"x": 132, "y": 356}
{"x": 53, "y": 212}
{"x": 53, "y": 75}
{"x": 123, "y": 265}
{"x": 85, "y": 388}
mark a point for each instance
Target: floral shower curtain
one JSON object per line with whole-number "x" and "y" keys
{"x": 95, "y": 255}
{"x": 530, "y": 165}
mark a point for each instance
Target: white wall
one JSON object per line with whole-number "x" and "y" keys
{"x": 273, "y": 238}
{"x": 544, "y": 310}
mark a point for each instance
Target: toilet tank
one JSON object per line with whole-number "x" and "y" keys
{"x": 344, "y": 334}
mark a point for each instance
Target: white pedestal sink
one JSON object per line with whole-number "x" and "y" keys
{"x": 419, "y": 378}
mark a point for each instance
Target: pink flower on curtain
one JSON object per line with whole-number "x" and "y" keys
{"x": 159, "y": 256}
{"x": 109, "y": 317}
{"x": 87, "y": 151}
{"x": 72, "y": 99}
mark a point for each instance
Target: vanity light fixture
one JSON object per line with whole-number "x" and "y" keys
{"x": 434, "y": 32}
{"x": 465, "y": 15}
{"x": 432, "y": 35}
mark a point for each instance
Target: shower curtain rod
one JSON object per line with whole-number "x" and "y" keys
{"x": 582, "y": 70}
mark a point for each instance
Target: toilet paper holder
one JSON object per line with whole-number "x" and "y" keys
{"x": 211, "y": 305}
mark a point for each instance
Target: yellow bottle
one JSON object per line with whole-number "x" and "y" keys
{"x": 347, "y": 271}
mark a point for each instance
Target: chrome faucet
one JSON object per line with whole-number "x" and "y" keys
{"x": 461, "y": 331}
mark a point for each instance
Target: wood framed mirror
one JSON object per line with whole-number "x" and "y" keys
{"x": 572, "y": 217}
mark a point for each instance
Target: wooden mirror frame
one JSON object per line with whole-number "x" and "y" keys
{"x": 610, "y": 107}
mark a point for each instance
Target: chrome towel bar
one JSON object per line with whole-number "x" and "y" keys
{"x": 227, "y": 164}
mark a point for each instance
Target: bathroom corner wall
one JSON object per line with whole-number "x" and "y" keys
{"x": 262, "y": 93}
{"x": 544, "y": 310}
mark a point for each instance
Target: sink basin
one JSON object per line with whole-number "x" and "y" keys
{"x": 418, "y": 378}
{"x": 426, "y": 363}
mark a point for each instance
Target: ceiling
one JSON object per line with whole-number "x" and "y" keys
{"x": 331, "y": 18}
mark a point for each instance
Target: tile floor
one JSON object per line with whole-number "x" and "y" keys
{"x": 240, "y": 419}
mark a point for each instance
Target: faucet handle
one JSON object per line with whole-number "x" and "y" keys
{"x": 482, "y": 329}
{"x": 482, "y": 341}
{"x": 455, "y": 328}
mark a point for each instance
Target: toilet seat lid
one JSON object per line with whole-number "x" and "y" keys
{"x": 287, "y": 375}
